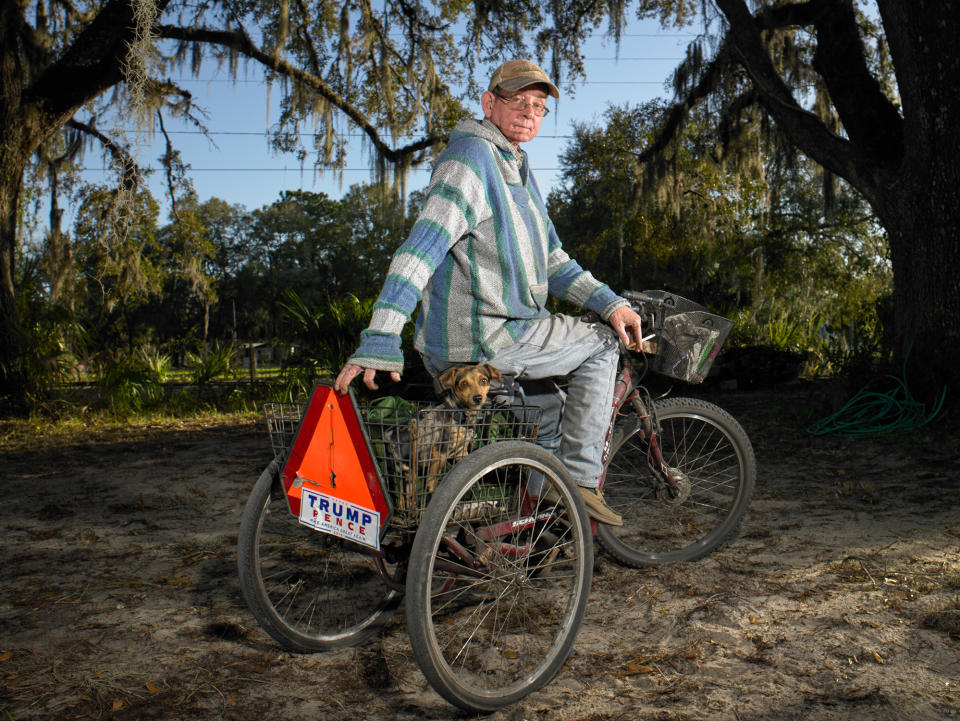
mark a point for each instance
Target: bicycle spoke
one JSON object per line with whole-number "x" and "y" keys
{"x": 710, "y": 467}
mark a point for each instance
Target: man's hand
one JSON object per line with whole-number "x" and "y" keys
{"x": 351, "y": 371}
{"x": 627, "y": 324}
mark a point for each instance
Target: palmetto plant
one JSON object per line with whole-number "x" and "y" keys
{"x": 213, "y": 364}
{"x": 157, "y": 364}
{"x": 326, "y": 334}
{"x": 130, "y": 384}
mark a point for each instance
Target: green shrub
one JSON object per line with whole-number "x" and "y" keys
{"x": 129, "y": 385}
{"x": 212, "y": 364}
{"x": 326, "y": 335}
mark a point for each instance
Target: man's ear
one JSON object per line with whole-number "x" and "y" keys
{"x": 486, "y": 102}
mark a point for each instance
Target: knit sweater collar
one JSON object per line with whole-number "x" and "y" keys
{"x": 488, "y": 131}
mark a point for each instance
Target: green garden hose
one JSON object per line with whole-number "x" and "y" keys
{"x": 871, "y": 413}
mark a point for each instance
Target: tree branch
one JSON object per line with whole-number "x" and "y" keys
{"x": 169, "y": 158}
{"x": 93, "y": 63}
{"x": 708, "y": 82}
{"x": 795, "y": 14}
{"x": 803, "y": 127}
{"x": 241, "y": 43}
{"x": 410, "y": 12}
{"x": 868, "y": 116}
{"x": 130, "y": 174}
{"x": 308, "y": 39}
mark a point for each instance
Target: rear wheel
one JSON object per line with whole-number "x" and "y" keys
{"x": 499, "y": 576}
{"x": 712, "y": 465}
{"x": 309, "y": 590}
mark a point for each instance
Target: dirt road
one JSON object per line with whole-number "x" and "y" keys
{"x": 840, "y": 600}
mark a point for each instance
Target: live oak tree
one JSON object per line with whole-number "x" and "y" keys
{"x": 869, "y": 91}
{"x": 754, "y": 237}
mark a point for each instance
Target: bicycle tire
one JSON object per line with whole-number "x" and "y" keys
{"x": 485, "y": 637}
{"x": 309, "y": 590}
{"x": 718, "y": 475}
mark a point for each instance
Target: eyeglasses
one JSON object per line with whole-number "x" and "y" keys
{"x": 519, "y": 103}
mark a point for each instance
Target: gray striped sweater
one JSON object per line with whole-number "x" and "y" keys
{"x": 481, "y": 260}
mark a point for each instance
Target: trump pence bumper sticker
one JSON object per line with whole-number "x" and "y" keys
{"x": 340, "y": 518}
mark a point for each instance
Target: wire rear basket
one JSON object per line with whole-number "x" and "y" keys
{"x": 687, "y": 336}
{"x": 415, "y": 444}
{"x": 283, "y": 420}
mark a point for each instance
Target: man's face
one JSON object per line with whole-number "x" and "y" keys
{"x": 517, "y": 125}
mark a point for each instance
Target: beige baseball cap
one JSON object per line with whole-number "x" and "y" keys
{"x": 518, "y": 74}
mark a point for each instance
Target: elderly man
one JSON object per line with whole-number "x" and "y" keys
{"x": 481, "y": 260}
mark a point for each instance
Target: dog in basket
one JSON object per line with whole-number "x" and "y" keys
{"x": 442, "y": 434}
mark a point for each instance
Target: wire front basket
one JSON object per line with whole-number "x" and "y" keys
{"x": 415, "y": 444}
{"x": 687, "y": 336}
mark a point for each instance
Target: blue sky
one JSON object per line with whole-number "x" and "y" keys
{"x": 241, "y": 167}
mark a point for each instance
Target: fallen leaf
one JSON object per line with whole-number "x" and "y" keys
{"x": 634, "y": 668}
{"x": 117, "y": 705}
{"x": 151, "y": 687}
{"x": 878, "y": 658}
{"x": 6, "y": 655}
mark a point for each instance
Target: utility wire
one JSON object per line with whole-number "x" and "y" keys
{"x": 278, "y": 170}
{"x": 268, "y": 133}
{"x": 261, "y": 81}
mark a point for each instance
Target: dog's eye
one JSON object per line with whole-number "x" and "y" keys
{"x": 484, "y": 381}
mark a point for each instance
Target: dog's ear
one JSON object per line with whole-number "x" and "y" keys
{"x": 448, "y": 378}
{"x": 492, "y": 373}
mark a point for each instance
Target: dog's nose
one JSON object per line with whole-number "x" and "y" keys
{"x": 477, "y": 399}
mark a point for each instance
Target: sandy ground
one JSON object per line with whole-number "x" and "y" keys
{"x": 840, "y": 599}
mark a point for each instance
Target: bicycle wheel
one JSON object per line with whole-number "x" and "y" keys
{"x": 309, "y": 590}
{"x": 499, "y": 577}
{"x": 711, "y": 458}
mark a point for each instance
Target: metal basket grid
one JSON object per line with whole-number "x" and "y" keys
{"x": 415, "y": 444}
{"x": 687, "y": 336}
{"x": 283, "y": 419}
{"x": 415, "y": 450}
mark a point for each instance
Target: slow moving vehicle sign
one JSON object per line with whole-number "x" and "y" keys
{"x": 331, "y": 482}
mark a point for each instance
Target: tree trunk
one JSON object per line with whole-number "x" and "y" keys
{"x": 11, "y": 338}
{"x": 59, "y": 260}
{"x": 36, "y": 100}
{"x": 920, "y": 206}
{"x": 922, "y": 219}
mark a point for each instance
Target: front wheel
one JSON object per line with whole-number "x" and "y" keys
{"x": 310, "y": 591}
{"x": 711, "y": 464}
{"x": 499, "y": 576}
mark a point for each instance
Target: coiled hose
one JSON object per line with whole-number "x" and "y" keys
{"x": 872, "y": 413}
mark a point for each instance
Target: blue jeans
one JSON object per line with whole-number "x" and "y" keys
{"x": 573, "y": 428}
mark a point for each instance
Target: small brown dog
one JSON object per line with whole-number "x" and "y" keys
{"x": 468, "y": 386}
{"x": 442, "y": 434}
